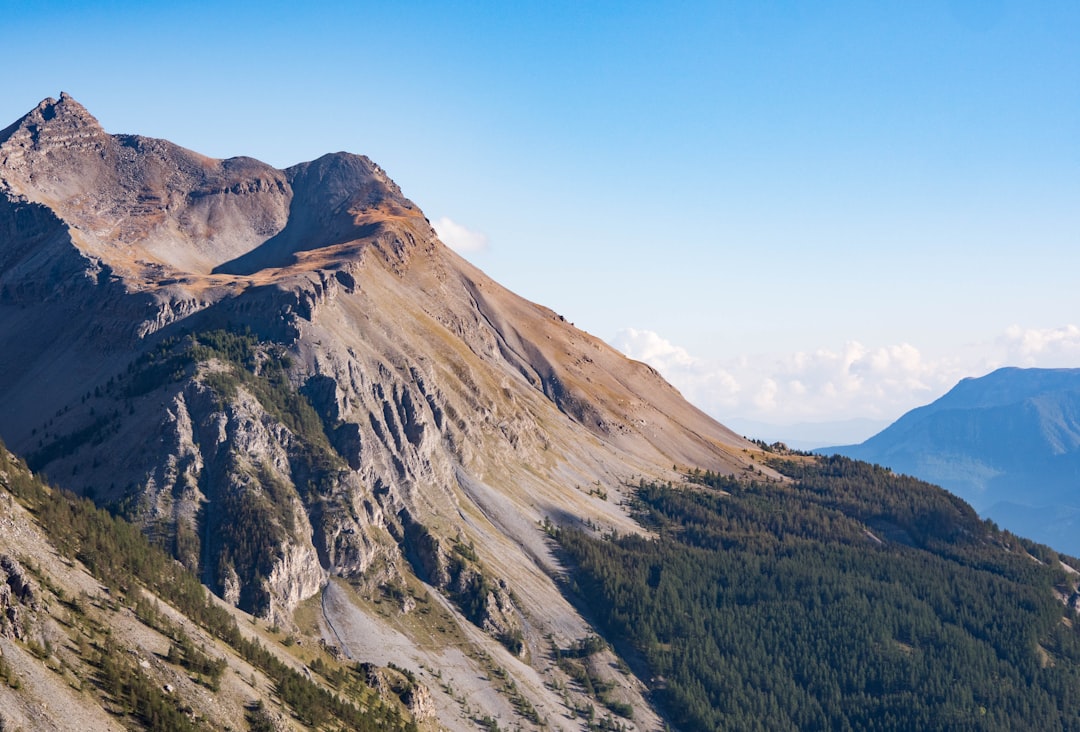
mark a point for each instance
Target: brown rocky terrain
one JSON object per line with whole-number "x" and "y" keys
{"x": 283, "y": 376}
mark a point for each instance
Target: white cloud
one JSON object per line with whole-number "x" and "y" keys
{"x": 1045, "y": 347}
{"x": 690, "y": 375}
{"x": 459, "y": 238}
{"x": 821, "y": 385}
{"x": 647, "y": 346}
{"x": 841, "y": 383}
{"x": 765, "y": 398}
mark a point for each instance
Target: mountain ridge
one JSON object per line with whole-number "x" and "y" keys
{"x": 285, "y": 379}
{"x": 1007, "y": 442}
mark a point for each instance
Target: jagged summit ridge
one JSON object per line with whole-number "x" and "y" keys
{"x": 146, "y": 237}
{"x": 152, "y": 211}
{"x": 51, "y": 123}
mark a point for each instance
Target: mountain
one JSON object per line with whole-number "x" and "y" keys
{"x": 842, "y": 597}
{"x": 309, "y": 469}
{"x": 290, "y": 384}
{"x": 1008, "y": 443}
{"x": 845, "y": 596}
{"x": 101, "y": 631}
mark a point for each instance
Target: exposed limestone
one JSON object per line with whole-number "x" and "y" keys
{"x": 18, "y": 595}
{"x": 417, "y": 699}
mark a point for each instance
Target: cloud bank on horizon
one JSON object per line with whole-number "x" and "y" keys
{"x": 849, "y": 382}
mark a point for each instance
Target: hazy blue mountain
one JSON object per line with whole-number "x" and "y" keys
{"x": 1008, "y": 443}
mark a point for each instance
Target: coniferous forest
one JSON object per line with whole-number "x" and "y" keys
{"x": 847, "y": 598}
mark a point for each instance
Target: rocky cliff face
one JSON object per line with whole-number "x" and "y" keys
{"x": 283, "y": 376}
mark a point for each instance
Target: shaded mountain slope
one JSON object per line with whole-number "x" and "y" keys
{"x": 1008, "y": 442}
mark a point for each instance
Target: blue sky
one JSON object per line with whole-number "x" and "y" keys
{"x": 798, "y": 211}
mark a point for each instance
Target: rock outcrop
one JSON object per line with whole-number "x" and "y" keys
{"x": 17, "y": 597}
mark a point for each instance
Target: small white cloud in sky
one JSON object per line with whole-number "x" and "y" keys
{"x": 688, "y": 374}
{"x": 649, "y": 347}
{"x": 459, "y": 238}
{"x": 832, "y": 384}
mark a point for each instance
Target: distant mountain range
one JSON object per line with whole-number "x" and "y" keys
{"x": 1008, "y": 443}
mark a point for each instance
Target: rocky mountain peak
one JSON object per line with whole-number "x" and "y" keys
{"x": 52, "y": 123}
{"x": 152, "y": 211}
{"x": 285, "y": 377}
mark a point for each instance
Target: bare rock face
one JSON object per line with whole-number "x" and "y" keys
{"x": 18, "y": 597}
{"x": 284, "y": 376}
{"x": 116, "y": 191}
{"x": 417, "y": 699}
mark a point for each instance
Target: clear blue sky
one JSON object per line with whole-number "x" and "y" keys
{"x": 798, "y": 210}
